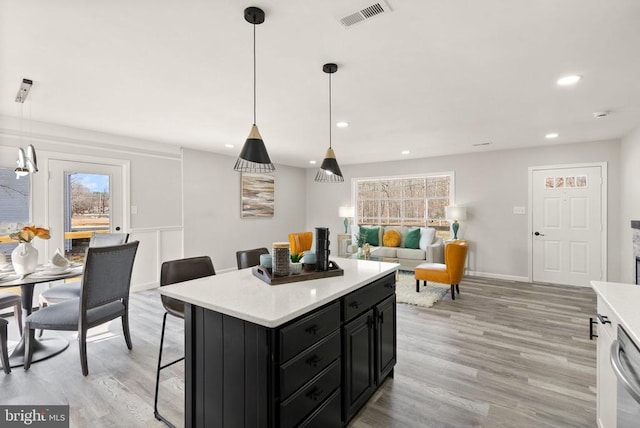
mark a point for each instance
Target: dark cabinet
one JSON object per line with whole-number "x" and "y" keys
{"x": 359, "y": 380}
{"x": 369, "y": 342}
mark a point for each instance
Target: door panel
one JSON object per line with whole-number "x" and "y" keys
{"x": 567, "y": 225}
{"x": 83, "y": 198}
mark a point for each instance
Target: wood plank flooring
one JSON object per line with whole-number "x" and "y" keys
{"x": 503, "y": 354}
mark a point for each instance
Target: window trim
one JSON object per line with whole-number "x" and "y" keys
{"x": 356, "y": 180}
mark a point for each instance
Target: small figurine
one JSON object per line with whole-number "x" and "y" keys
{"x": 367, "y": 250}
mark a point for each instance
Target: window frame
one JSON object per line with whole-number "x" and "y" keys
{"x": 358, "y": 180}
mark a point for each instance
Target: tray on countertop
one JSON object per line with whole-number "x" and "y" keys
{"x": 308, "y": 272}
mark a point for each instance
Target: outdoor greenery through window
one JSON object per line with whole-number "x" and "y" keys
{"x": 404, "y": 201}
{"x": 14, "y": 207}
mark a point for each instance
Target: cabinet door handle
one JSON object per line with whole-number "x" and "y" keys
{"x": 315, "y": 394}
{"x": 592, "y": 335}
{"x": 312, "y": 330}
{"x": 354, "y": 305}
{"x": 314, "y": 361}
{"x": 604, "y": 319}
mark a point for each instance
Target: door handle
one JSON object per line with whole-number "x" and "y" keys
{"x": 603, "y": 319}
{"x": 592, "y": 334}
{"x": 538, "y": 234}
{"x": 117, "y": 228}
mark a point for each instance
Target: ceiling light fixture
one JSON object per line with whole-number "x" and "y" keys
{"x": 569, "y": 80}
{"x": 329, "y": 171}
{"x": 551, "y": 135}
{"x": 342, "y": 124}
{"x": 405, "y": 152}
{"x": 253, "y": 156}
{"x": 27, "y": 164}
{"x": 229, "y": 146}
{"x": 312, "y": 162}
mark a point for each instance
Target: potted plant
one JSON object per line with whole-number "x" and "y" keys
{"x": 295, "y": 267}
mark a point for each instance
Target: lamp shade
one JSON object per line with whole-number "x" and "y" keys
{"x": 456, "y": 213}
{"x": 346, "y": 212}
{"x": 254, "y": 156}
{"x": 329, "y": 170}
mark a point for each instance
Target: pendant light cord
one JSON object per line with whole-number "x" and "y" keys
{"x": 254, "y": 74}
{"x": 329, "y": 110}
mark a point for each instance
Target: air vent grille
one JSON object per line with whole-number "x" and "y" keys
{"x": 365, "y": 13}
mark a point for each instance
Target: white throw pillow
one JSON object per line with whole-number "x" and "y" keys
{"x": 427, "y": 234}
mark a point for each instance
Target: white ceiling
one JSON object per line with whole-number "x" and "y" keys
{"x": 433, "y": 76}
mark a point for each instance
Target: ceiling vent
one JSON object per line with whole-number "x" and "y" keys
{"x": 368, "y": 12}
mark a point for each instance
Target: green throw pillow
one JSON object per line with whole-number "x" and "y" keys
{"x": 372, "y": 235}
{"x": 412, "y": 240}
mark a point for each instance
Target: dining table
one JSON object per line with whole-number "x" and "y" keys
{"x": 42, "y": 348}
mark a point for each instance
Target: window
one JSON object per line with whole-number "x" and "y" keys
{"x": 404, "y": 201}
{"x": 14, "y": 207}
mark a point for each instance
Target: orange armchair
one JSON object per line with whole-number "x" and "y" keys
{"x": 455, "y": 255}
{"x": 300, "y": 241}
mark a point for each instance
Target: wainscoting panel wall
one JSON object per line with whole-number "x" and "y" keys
{"x": 156, "y": 246}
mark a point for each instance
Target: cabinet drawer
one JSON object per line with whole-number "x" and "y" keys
{"x": 360, "y": 300}
{"x": 328, "y": 415}
{"x": 303, "y": 333}
{"x": 303, "y": 367}
{"x": 303, "y": 402}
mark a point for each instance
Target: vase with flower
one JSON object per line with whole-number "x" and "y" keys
{"x": 24, "y": 257}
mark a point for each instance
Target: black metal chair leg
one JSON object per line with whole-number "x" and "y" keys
{"x": 157, "y": 414}
{"x": 417, "y": 285}
{"x": 458, "y": 288}
{"x": 453, "y": 294}
{"x": 3, "y": 349}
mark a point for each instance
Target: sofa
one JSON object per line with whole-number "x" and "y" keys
{"x": 430, "y": 246}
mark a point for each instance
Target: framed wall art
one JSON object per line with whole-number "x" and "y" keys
{"x": 257, "y": 199}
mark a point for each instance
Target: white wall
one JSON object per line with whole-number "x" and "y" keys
{"x": 630, "y": 201}
{"x": 212, "y": 222}
{"x": 490, "y": 184}
{"x": 155, "y": 185}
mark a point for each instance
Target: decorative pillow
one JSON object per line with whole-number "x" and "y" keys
{"x": 391, "y": 238}
{"x": 427, "y": 234}
{"x": 372, "y": 234}
{"x": 412, "y": 240}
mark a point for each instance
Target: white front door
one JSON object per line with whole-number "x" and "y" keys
{"x": 83, "y": 197}
{"x": 567, "y": 225}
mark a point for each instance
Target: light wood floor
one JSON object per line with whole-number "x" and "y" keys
{"x": 503, "y": 354}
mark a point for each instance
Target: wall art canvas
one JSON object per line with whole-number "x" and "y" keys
{"x": 257, "y": 195}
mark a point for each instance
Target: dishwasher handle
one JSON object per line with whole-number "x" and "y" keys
{"x": 632, "y": 387}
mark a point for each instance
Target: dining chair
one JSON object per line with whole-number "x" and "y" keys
{"x": 4, "y": 353}
{"x": 172, "y": 272}
{"x": 249, "y": 258}
{"x": 455, "y": 255}
{"x": 71, "y": 290}
{"x": 104, "y": 296}
{"x": 10, "y": 299}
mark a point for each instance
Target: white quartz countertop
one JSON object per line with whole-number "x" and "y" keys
{"x": 624, "y": 300}
{"x": 242, "y": 295}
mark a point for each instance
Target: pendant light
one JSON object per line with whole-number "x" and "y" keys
{"x": 329, "y": 170}
{"x": 27, "y": 164}
{"x": 254, "y": 156}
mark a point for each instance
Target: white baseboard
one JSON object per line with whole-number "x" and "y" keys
{"x": 143, "y": 287}
{"x": 497, "y": 276}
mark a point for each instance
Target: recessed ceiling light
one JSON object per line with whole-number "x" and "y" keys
{"x": 551, "y": 135}
{"x": 488, "y": 143}
{"x": 312, "y": 162}
{"x": 342, "y": 124}
{"x": 601, "y": 114}
{"x": 229, "y": 146}
{"x": 569, "y": 80}
{"x": 405, "y": 152}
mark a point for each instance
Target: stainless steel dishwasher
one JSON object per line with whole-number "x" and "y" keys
{"x": 625, "y": 360}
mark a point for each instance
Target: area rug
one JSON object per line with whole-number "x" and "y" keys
{"x": 427, "y": 297}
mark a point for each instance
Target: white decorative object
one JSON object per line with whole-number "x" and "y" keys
{"x": 295, "y": 268}
{"x": 24, "y": 258}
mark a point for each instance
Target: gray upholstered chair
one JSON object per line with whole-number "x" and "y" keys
{"x": 4, "y": 353}
{"x": 248, "y": 258}
{"x": 172, "y": 272}
{"x": 104, "y": 296}
{"x": 9, "y": 299}
{"x": 64, "y": 292}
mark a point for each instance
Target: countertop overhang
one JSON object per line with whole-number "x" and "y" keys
{"x": 624, "y": 300}
{"x": 240, "y": 294}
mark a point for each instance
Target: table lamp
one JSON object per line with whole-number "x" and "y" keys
{"x": 346, "y": 213}
{"x": 455, "y": 213}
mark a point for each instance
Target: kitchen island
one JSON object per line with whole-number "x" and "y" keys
{"x": 307, "y": 353}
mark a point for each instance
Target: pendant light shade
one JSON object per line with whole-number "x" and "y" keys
{"x": 329, "y": 171}
{"x": 253, "y": 156}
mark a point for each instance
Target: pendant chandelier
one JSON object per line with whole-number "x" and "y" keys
{"x": 253, "y": 156}
{"x": 27, "y": 163}
{"x": 329, "y": 171}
